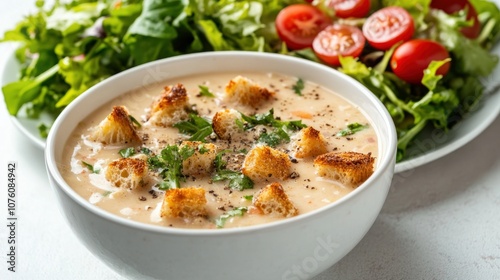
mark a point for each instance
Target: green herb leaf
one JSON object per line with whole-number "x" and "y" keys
{"x": 237, "y": 180}
{"x": 127, "y": 152}
{"x": 169, "y": 165}
{"x": 198, "y": 127}
{"x": 205, "y": 91}
{"x": 239, "y": 211}
{"x": 351, "y": 129}
{"x": 146, "y": 151}
{"x": 248, "y": 197}
{"x": 298, "y": 87}
{"x": 134, "y": 121}
{"x": 43, "y": 129}
{"x": 90, "y": 167}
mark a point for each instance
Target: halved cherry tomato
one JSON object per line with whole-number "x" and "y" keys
{"x": 388, "y": 26}
{"x": 350, "y": 8}
{"x": 411, "y": 59}
{"x": 451, "y": 7}
{"x": 298, "y": 24}
{"x": 338, "y": 40}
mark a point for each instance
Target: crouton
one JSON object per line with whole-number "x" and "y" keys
{"x": 246, "y": 92}
{"x": 170, "y": 107}
{"x": 265, "y": 163}
{"x": 224, "y": 123}
{"x": 130, "y": 173}
{"x": 202, "y": 161}
{"x": 116, "y": 128}
{"x": 308, "y": 142}
{"x": 272, "y": 200}
{"x": 185, "y": 203}
{"x": 349, "y": 168}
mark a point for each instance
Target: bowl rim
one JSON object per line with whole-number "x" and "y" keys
{"x": 58, "y": 181}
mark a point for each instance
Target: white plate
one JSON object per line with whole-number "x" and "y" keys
{"x": 427, "y": 147}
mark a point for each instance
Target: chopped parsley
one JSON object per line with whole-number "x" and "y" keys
{"x": 196, "y": 126}
{"x": 351, "y": 129}
{"x": 281, "y": 128}
{"x": 146, "y": 151}
{"x": 169, "y": 165}
{"x": 298, "y": 87}
{"x": 248, "y": 197}
{"x": 239, "y": 211}
{"x": 90, "y": 167}
{"x": 134, "y": 121}
{"x": 237, "y": 180}
{"x": 202, "y": 149}
{"x": 127, "y": 152}
{"x": 205, "y": 91}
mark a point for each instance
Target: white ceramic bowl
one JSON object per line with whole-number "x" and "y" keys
{"x": 296, "y": 248}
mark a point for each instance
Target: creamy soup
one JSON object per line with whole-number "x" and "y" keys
{"x": 85, "y": 161}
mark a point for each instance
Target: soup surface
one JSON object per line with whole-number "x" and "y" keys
{"x": 86, "y": 160}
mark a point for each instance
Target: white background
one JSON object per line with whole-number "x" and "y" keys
{"x": 440, "y": 221}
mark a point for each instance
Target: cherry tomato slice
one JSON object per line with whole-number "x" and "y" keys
{"x": 298, "y": 24}
{"x": 338, "y": 40}
{"x": 388, "y": 26}
{"x": 411, "y": 59}
{"x": 451, "y": 7}
{"x": 350, "y": 8}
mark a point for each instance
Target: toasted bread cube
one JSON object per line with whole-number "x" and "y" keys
{"x": 272, "y": 200}
{"x": 116, "y": 128}
{"x": 130, "y": 173}
{"x": 224, "y": 123}
{"x": 247, "y": 92}
{"x": 202, "y": 161}
{"x": 349, "y": 168}
{"x": 185, "y": 203}
{"x": 265, "y": 163}
{"x": 309, "y": 142}
{"x": 170, "y": 108}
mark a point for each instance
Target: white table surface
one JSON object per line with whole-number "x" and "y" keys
{"x": 440, "y": 221}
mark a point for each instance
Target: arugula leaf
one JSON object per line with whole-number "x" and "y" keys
{"x": 298, "y": 87}
{"x": 90, "y": 167}
{"x": 169, "y": 165}
{"x": 205, "y": 91}
{"x": 238, "y": 211}
{"x": 196, "y": 126}
{"x": 351, "y": 129}
{"x": 127, "y": 152}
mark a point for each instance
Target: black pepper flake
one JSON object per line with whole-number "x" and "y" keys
{"x": 142, "y": 198}
{"x": 294, "y": 160}
{"x": 211, "y": 191}
{"x": 222, "y": 208}
{"x": 294, "y": 175}
{"x": 313, "y": 188}
{"x": 153, "y": 193}
{"x": 349, "y": 138}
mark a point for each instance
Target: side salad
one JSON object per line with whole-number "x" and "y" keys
{"x": 424, "y": 59}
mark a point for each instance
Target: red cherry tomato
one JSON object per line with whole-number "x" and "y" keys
{"x": 298, "y": 24}
{"x": 388, "y": 26}
{"x": 350, "y": 8}
{"x": 451, "y": 7}
{"x": 411, "y": 59}
{"x": 336, "y": 40}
